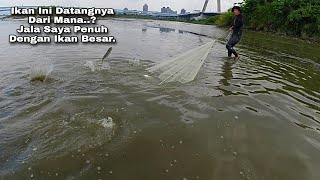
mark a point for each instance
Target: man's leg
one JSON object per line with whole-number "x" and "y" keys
{"x": 229, "y": 53}
{"x": 229, "y": 47}
{"x": 231, "y": 43}
{"x": 235, "y": 53}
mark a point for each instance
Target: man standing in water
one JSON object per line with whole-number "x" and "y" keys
{"x": 237, "y": 32}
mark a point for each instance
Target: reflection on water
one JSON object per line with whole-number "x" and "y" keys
{"x": 166, "y": 30}
{"x": 257, "y": 118}
{"x": 227, "y": 73}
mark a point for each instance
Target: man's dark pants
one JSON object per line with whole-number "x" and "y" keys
{"x": 231, "y": 43}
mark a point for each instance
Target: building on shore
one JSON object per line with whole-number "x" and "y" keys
{"x": 183, "y": 11}
{"x": 145, "y": 8}
{"x": 168, "y": 10}
{"x": 163, "y": 10}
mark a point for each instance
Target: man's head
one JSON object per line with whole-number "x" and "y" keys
{"x": 236, "y": 10}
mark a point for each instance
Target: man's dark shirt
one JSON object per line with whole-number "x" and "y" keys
{"x": 237, "y": 26}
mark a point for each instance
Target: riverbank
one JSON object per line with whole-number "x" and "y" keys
{"x": 299, "y": 19}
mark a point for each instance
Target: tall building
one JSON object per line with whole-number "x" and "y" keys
{"x": 145, "y": 8}
{"x": 163, "y": 10}
{"x": 183, "y": 11}
{"x": 168, "y": 10}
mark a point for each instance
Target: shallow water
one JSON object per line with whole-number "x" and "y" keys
{"x": 258, "y": 118}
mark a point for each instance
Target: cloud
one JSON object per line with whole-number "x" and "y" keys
{"x": 154, "y": 5}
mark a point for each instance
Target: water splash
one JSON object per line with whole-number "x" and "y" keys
{"x": 41, "y": 71}
{"x": 90, "y": 64}
{"x": 136, "y": 62}
{"x": 107, "y": 123}
{"x": 95, "y": 66}
{"x": 105, "y": 66}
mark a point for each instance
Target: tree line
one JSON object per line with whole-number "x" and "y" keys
{"x": 293, "y": 17}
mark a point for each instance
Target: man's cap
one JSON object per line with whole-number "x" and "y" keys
{"x": 236, "y": 7}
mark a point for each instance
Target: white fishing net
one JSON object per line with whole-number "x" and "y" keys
{"x": 183, "y": 68}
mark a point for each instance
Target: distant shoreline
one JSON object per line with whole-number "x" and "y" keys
{"x": 201, "y": 22}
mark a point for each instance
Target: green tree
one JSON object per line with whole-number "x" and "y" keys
{"x": 225, "y": 19}
{"x": 295, "y": 17}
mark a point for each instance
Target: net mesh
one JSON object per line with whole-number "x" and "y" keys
{"x": 183, "y": 68}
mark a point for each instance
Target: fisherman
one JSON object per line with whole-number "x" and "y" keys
{"x": 237, "y": 32}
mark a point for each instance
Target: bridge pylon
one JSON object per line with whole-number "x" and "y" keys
{"x": 206, "y": 4}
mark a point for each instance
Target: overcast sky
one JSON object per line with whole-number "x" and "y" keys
{"x": 154, "y": 5}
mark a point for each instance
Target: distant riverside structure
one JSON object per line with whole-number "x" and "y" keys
{"x": 145, "y": 8}
{"x": 168, "y": 10}
{"x": 183, "y": 11}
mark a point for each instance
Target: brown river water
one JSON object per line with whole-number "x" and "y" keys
{"x": 258, "y": 118}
